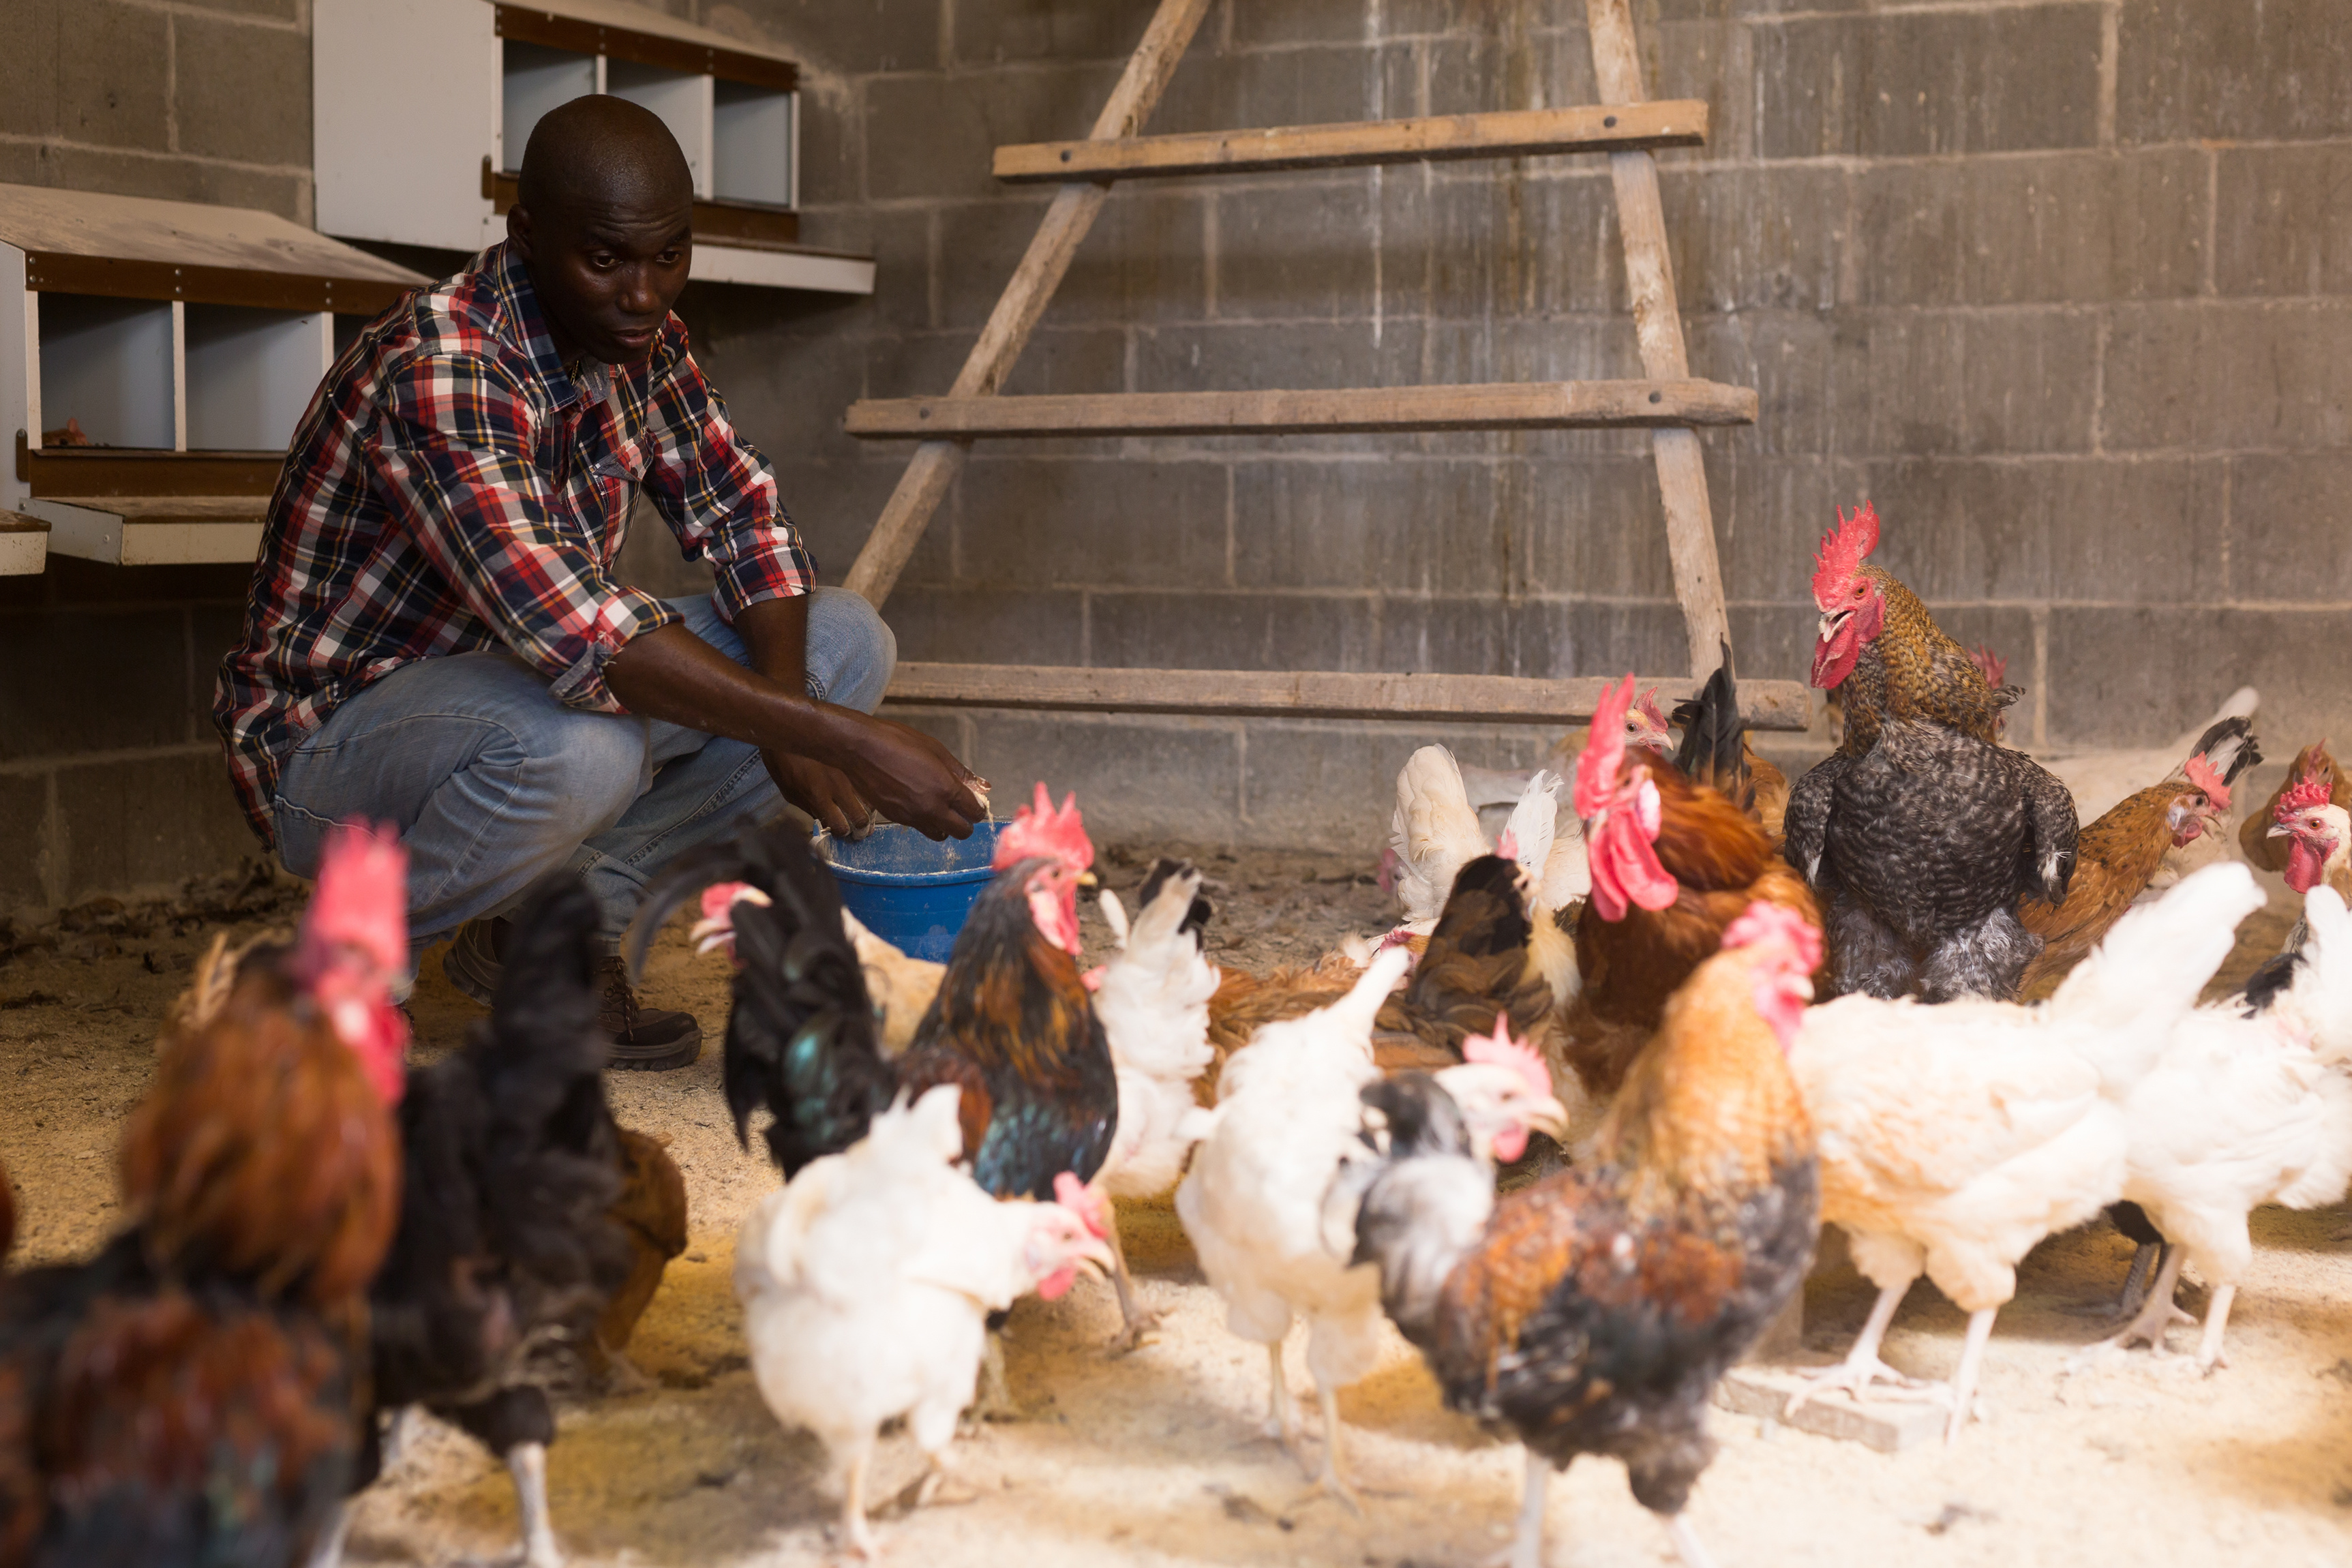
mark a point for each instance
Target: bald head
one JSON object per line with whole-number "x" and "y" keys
{"x": 602, "y": 152}
{"x": 603, "y": 220}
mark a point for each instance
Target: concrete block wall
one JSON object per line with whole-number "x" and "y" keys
{"x": 2063, "y": 286}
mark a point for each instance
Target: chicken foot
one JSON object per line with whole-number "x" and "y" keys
{"x": 1964, "y": 1381}
{"x": 1139, "y": 1320}
{"x": 1862, "y": 1371}
{"x": 995, "y": 1399}
{"x": 2217, "y": 1318}
{"x": 527, "y": 1463}
{"x": 1328, "y": 1481}
{"x": 2154, "y": 1318}
{"x": 2147, "y": 1259}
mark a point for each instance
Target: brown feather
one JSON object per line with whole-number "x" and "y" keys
{"x": 652, "y": 1213}
{"x": 2114, "y": 860}
{"x": 1913, "y": 671}
{"x": 2269, "y": 854}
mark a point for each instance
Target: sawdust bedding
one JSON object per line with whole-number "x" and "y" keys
{"x": 1158, "y": 1457}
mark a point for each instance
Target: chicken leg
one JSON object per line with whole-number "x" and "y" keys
{"x": 1281, "y": 1423}
{"x": 2217, "y": 1318}
{"x": 1328, "y": 1481}
{"x": 1139, "y": 1320}
{"x": 527, "y": 1463}
{"x": 1686, "y": 1544}
{"x": 854, "y": 1528}
{"x": 2156, "y": 1316}
{"x": 1964, "y": 1381}
{"x": 1862, "y": 1368}
{"x": 1527, "y": 1546}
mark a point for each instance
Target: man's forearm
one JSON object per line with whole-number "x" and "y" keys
{"x": 775, "y": 635}
{"x": 673, "y": 675}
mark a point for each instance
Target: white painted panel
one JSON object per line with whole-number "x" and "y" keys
{"x": 250, "y": 375}
{"x": 20, "y": 374}
{"x": 683, "y": 101}
{"x": 179, "y": 376}
{"x": 107, "y": 365}
{"x": 752, "y": 144}
{"x": 538, "y": 78}
{"x": 402, "y": 110}
{"x": 90, "y": 534}
{"x": 783, "y": 269}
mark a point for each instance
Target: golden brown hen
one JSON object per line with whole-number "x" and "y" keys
{"x": 651, "y": 1215}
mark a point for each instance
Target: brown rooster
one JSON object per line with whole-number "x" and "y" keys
{"x": 1592, "y": 1312}
{"x": 2117, "y": 855}
{"x": 2266, "y": 850}
{"x": 1673, "y": 863}
{"x": 193, "y": 1393}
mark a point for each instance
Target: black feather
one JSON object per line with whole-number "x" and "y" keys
{"x": 1197, "y": 917}
{"x": 2272, "y": 981}
{"x": 1713, "y": 746}
{"x": 2229, "y": 748}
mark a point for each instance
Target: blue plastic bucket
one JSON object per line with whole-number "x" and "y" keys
{"x": 911, "y": 892}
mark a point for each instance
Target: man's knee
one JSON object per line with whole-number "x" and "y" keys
{"x": 593, "y": 765}
{"x": 851, "y": 649}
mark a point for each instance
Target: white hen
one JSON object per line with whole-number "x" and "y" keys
{"x": 2247, "y": 1105}
{"x": 866, "y": 1284}
{"x": 1271, "y": 1221}
{"x": 1435, "y": 832}
{"x": 1153, "y": 1001}
{"x": 1954, "y": 1138}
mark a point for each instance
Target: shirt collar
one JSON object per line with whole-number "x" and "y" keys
{"x": 511, "y": 280}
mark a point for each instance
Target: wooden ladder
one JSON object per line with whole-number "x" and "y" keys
{"x": 1667, "y": 401}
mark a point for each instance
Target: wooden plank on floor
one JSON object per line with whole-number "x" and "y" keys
{"x": 1311, "y": 694}
{"x": 1607, "y": 128}
{"x": 1504, "y": 405}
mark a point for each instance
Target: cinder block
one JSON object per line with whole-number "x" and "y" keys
{"x": 834, "y": 506}
{"x": 112, "y": 65}
{"x": 1508, "y": 241}
{"x": 271, "y": 10}
{"x": 1070, "y": 360}
{"x": 1708, "y": 58}
{"x": 1344, "y": 21}
{"x": 1591, "y": 526}
{"x": 174, "y": 179}
{"x": 1143, "y": 261}
{"x": 901, "y": 238}
{"x": 1252, "y": 356}
{"x": 1790, "y": 358}
{"x": 1295, "y": 251}
{"x": 769, "y": 387}
{"x": 1332, "y": 785}
{"x": 987, "y": 625}
{"x": 1401, "y": 526}
{"x": 847, "y": 36}
{"x": 2287, "y": 517}
{"x": 933, "y": 135}
{"x": 2188, "y": 70}
{"x": 2140, "y": 676}
{"x": 2226, "y": 375}
{"x": 24, "y": 840}
{"x": 1753, "y": 236}
{"x": 1537, "y": 637}
{"x": 1204, "y": 629}
{"x": 1488, "y": 62}
{"x": 1110, "y": 522}
{"x": 2282, "y": 225}
{"x": 1909, "y": 83}
{"x": 91, "y": 681}
{"x": 2145, "y": 530}
{"x": 1920, "y": 383}
{"x": 993, "y": 32}
{"x": 1137, "y": 780}
{"x": 136, "y": 824}
{"x": 241, "y": 92}
{"x": 1769, "y": 515}
{"x": 213, "y": 632}
{"x": 29, "y": 70}
{"x": 2019, "y": 230}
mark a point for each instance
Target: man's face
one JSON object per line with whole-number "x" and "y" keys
{"x": 607, "y": 272}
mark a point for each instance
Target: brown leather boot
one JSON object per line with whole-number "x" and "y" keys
{"x": 644, "y": 1040}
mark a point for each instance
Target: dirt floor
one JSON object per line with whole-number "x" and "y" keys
{"x": 1156, "y": 1457}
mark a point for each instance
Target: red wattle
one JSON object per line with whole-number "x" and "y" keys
{"x": 1055, "y": 1285}
{"x": 1626, "y": 869}
{"x": 1833, "y": 660}
{"x": 1509, "y": 1144}
{"x": 2304, "y": 866}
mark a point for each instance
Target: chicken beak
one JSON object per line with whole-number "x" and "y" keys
{"x": 708, "y": 934}
{"x": 1547, "y": 1116}
{"x": 1088, "y": 879}
{"x": 2279, "y": 830}
{"x": 1093, "y": 1259}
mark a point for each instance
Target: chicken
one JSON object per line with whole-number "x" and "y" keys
{"x": 1919, "y": 834}
{"x": 902, "y": 987}
{"x": 2100, "y": 780}
{"x": 652, "y": 1214}
{"x": 2256, "y": 836}
{"x": 1592, "y": 1312}
{"x": 1267, "y": 1211}
{"x": 2248, "y": 1104}
{"x": 2317, "y": 834}
{"x": 1434, "y": 833}
{"x": 1716, "y": 752}
{"x": 866, "y": 1281}
{"x": 508, "y": 1239}
{"x": 2117, "y": 857}
{"x": 1673, "y": 864}
{"x": 193, "y": 1393}
{"x": 1955, "y": 1138}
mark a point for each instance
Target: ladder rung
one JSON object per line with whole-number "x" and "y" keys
{"x": 1313, "y": 694}
{"x": 1501, "y": 406}
{"x": 1616, "y": 128}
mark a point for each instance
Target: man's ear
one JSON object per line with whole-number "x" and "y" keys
{"x": 518, "y": 229}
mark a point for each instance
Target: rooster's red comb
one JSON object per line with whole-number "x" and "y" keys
{"x": 2201, "y": 773}
{"x": 362, "y": 900}
{"x": 2312, "y": 789}
{"x": 1647, "y": 706}
{"x": 1842, "y": 551}
{"x": 1042, "y": 831}
{"x": 1499, "y": 1049}
{"x": 1764, "y": 923}
{"x": 1604, "y": 750}
{"x": 1990, "y": 665}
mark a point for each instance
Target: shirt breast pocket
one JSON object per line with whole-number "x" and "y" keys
{"x": 616, "y": 476}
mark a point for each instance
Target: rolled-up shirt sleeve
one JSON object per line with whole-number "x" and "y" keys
{"x": 716, "y": 492}
{"x": 454, "y": 456}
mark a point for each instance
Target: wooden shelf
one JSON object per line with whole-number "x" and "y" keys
{"x": 154, "y": 530}
{"x": 24, "y": 544}
{"x": 1465, "y": 699}
{"x": 1503, "y": 406}
{"x": 1512, "y": 134}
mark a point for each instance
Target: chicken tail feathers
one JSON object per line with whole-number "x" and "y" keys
{"x": 1714, "y": 749}
{"x": 2152, "y": 965}
{"x": 2229, "y": 748}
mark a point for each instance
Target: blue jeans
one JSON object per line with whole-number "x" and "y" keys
{"x": 494, "y": 783}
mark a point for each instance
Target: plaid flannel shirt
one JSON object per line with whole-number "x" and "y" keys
{"x": 453, "y": 486}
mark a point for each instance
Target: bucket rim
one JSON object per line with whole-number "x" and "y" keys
{"x": 873, "y": 879}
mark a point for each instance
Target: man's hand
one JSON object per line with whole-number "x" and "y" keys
{"x": 913, "y": 779}
{"x": 824, "y": 793}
